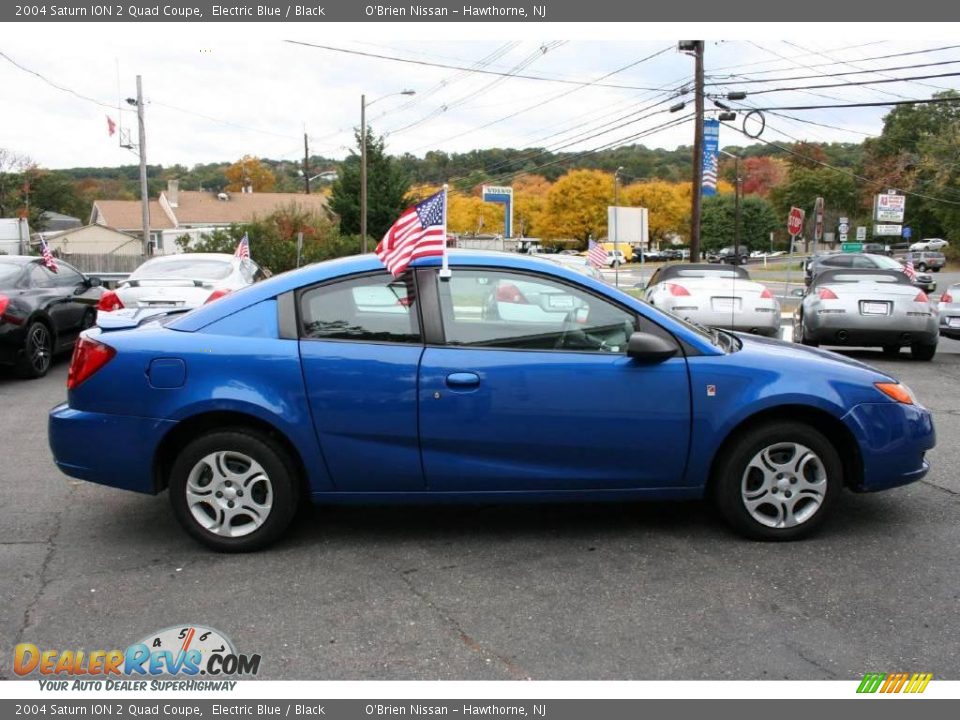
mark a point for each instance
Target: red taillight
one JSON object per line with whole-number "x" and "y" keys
{"x": 216, "y": 295}
{"x": 946, "y": 298}
{"x": 677, "y": 290}
{"x": 510, "y": 293}
{"x": 921, "y": 297}
{"x": 88, "y": 357}
{"x": 766, "y": 294}
{"x": 4, "y": 301}
{"x": 109, "y": 302}
{"x": 827, "y": 294}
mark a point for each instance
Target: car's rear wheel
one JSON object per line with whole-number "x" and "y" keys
{"x": 234, "y": 490}
{"x": 936, "y": 269}
{"x": 804, "y": 337}
{"x": 891, "y": 349}
{"x": 921, "y": 267}
{"x": 923, "y": 352}
{"x": 34, "y": 361}
{"x": 778, "y": 481}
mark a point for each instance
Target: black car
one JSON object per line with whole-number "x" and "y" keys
{"x": 731, "y": 256}
{"x": 860, "y": 261}
{"x": 42, "y": 311}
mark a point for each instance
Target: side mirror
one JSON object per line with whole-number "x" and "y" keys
{"x": 94, "y": 282}
{"x": 647, "y": 348}
{"x": 798, "y": 292}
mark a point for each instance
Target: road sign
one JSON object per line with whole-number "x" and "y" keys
{"x": 887, "y": 230}
{"x": 851, "y": 247}
{"x": 844, "y": 228}
{"x": 843, "y": 237}
{"x": 907, "y": 232}
{"x": 889, "y": 208}
{"x": 818, "y": 219}
{"x": 795, "y": 221}
{"x": 861, "y": 233}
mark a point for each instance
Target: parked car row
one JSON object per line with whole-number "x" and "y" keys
{"x": 869, "y": 261}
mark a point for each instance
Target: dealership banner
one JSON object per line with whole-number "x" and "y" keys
{"x": 711, "y": 150}
{"x": 483, "y": 11}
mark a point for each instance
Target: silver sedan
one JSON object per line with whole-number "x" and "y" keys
{"x": 867, "y": 308}
{"x": 715, "y": 296}
{"x": 950, "y": 312}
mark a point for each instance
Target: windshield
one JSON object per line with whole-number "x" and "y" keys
{"x": 9, "y": 272}
{"x": 183, "y": 268}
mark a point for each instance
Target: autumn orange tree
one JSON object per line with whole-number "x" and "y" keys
{"x": 529, "y": 200}
{"x": 248, "y": 170}
{"x": 576, "y": 206}
{"x": 667, "y": 203}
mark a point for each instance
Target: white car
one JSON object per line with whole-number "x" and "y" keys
{"x": 929, "y": 244}
{"x": 715, "y": 296}
{"x": 577, "y": 263}
{"x": 186, "y": 280}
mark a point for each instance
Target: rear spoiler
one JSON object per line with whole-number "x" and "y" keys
{"x": 128, "y": 318}
{"x": 169, "y": 283}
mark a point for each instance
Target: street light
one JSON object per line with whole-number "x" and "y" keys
{"x": 736, "y": 212}
{"x": 363, "y": 158}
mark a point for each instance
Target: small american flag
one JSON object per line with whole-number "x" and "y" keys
{"x": 596, "y": 254}
{"x": 243, "y": 248}
{"x": 48, "y": 259}
{"x": 909, "y": 271}
{"x": 420, "y": 232}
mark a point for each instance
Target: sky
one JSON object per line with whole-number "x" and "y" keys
{"x": 215, "y": 92}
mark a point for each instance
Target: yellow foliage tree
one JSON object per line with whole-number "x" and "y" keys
{"x": 668, "y": 205}
{"x": 529, "y": 200}
{"x": 248, "y": 170}
{"x": 576, "y": 206}
{"x": 470, "y": 215}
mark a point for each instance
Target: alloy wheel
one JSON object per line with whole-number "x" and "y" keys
{"x": 784, "y": 485}
{"x": 229, "y": 494}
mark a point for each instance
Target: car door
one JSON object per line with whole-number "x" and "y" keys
{"x": 360, "y": 345}
{"x": 73, "y": 308}
{"x": 544, "y": 398}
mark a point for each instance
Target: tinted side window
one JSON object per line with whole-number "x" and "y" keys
{"x": 491, "y": 308}
{"x": 374, "y": 308}
{"x": 863, "y": 262}
{"x": 41, "y": 277}
{"x": 839, "y": 261}
{"x": 66, "y": 276}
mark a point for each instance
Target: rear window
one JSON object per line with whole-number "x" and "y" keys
{"x": 186, "y": 268}
{"x": 9, "y": 272}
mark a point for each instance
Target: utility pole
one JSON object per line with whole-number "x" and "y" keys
{"x": 697, "y": 152}
{"x": 306, "y": 165}
{"x": 144, "y": 191}
{"x": 363, "y": 172}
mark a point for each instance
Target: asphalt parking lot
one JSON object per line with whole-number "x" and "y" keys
{"x": 626, "y": 591}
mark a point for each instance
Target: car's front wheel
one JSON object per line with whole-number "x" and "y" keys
{"x": 234, "y": 490}
{"x": 778, "y": 481}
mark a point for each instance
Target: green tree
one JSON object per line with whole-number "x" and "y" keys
{"x": 273, "y": 239}
{"x": 718, "y": 221}
{"x": 387, "y": 187}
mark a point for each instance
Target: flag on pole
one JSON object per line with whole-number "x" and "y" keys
{"x": 48, "y": 259}
{"x": 421, "y": 231}
{"x": 596, "y": 254}
{"x": 111, "y": 126}
{"x": 243, "y": 248}
{"x": 909, "y": 271}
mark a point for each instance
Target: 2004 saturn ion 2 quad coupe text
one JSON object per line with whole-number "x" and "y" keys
{"x": 513, "y": 379}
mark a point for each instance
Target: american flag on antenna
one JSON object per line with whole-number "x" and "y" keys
{"x": 596, "y": 254}
{"x": 909, "y": 271}
{"x": 48, "y": 259}
{"x": 420, "y": 232}
{"x": 243, "y": 248}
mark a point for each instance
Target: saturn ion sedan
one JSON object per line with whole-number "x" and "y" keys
{"x": 338, "y": 383}
{"x": 868, "y": 308}
{"x": 721, "y": 297}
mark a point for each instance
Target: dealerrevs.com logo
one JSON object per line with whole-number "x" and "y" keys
{"x": 186, "y": 652}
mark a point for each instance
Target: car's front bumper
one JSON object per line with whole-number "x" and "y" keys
{"x": 127, "y": 447}
{"x": 893, "y": 439}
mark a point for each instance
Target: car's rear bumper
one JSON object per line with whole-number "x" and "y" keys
{"x": 853, "y": 329}
{"x": 759, "y": 323}
{"x": 893, "y": 439}
{"x": 128, "y": 446}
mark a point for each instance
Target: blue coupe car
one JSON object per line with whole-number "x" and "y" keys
{"x": 514, "y": 379}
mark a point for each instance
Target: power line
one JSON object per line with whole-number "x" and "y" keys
{"x": 853, "y": 84}
{"x": 829, "y": 75}
{"x": 52, "y": 84}
{"x": 426, "y": 63}
{"x": 885, "y": 103}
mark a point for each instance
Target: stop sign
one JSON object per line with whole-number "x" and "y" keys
{"x": 795, "y": 221}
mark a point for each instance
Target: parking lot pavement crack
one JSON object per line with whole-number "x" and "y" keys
{"x": 462, "y": 635}
{"x": 816, "y": 664}
{"x": 29, "y": 615}
{"x": 948, "y": 491}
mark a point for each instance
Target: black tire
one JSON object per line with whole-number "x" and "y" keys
{"x": 281, "y": 481}
{"x": 804, "y": 338}
{"x": 891, "y": 350}
{"x": 37, "y": 355}
{"x": 921, "y": 267}
{"x": 936, "y": 269}
{"x": 923, "y": 352}
{"x": 731, "y": 480}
